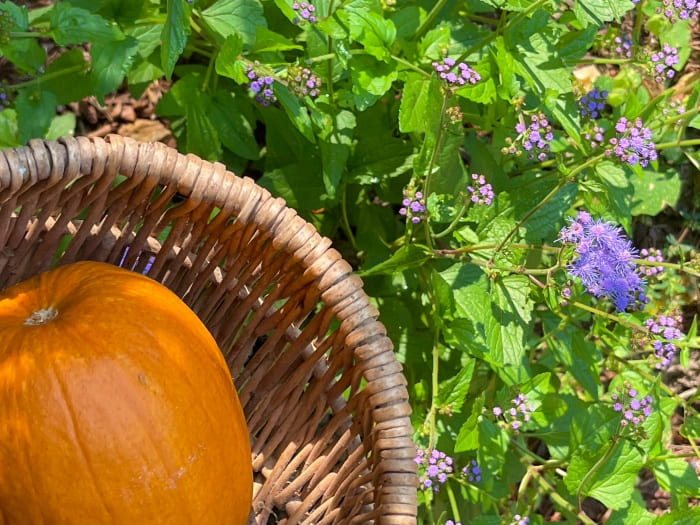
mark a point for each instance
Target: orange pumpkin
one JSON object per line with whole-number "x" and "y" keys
{"x": 116, "y": 406}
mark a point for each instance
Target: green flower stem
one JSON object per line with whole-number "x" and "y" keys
{"x": 596, "y": 466}
{"x": 678, "y": 144}
{"x": 410, "y": 66}
{"x": 480, "y": 247}
{"x": 605, "y": 61}
{"x": 428, "y": 22}
{"x": 49, "y": 76}
{"x": 557, "y": 498}
{"x": 431, "y": 418}
{"x": 344, "y": 215}
{"x": 453, "y": 503}
{"x": 453, "y": 225}
{"x": 563, "y": 182}
{"x": 675, "y": 266}
{"x": 26, "y": 34}
{"x": 612, "y": 317}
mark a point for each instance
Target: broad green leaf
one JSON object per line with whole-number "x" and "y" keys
{"x": 61, "y": 126}
{"x": 335, "y": 149}
{"x": 228, "y": 63}
{"x": 421, "y": 102}
{"x": 468, "y": 437}
{"x": 295, "y": 110}
{"x": 70, "y": 65}
{"x": 175, "y": 33}
{"x": 690, "y": 516}
{"x": 653, "y": 191}
{"x": 299, "y": 184}
{"x": 507, "y": 85}
{"x": 544, "y": 225}
{"x": 234, "y": 130}
{"x": 434, "y": 42}
{"x": 596, "y": 12}
{"x": 74, "y": 25}
{"x": 677, "y": 475}
{"x": 483, "y": 91}
{"x": 405, "y": 258}
{"x": 510, "y": 316}
{"x": 226, "y": 17}
{"x": 370, "y": 80}
{"x": 379, "y": 157}
{"x": 618, "y": 190}
{"x": 110, "y": 63}
{"x": 635, "y": 513}
{"x": 147, "y": 37}
{"x": 610, "y": 482}
{"x": 36, "y": 108}
{"x": 454, "y": 390}
{"x": 579, "y": 356}
{"x": 374, "y": 32}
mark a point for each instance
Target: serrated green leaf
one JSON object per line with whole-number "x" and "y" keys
{"x": 9, "y": 130}
{"x": 174, "y": 35}
{"x": 509, "y": 317}
{"x": 234, "y": 131}
{"x": 689, "y": 516}
{"x": 228, "y": 63}
{"x": 226, "y": 17}
{"x": 376, "y": 33}
{"x": 434, "y": 42}
{"x": 421, "y": 102}
{"x": 110, "y": 63}
{"x": 405, "y": 258}
{"x": 266, "y": 41}
{"x": 74, "y": 25}
{"x": 634, "y": 513}
{"x": 70, "y": 65}
{"x": 61, "y": 126}
{"x": 381, "y": 157}
{"x": 370, "y": 80}
{"x": 618, "y": 190}
{"x": 597, "y": 12}
{"x": 677, "y": 475}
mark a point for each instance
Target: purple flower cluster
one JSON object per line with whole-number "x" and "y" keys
{"x": 518, "y": 414}
{"x": 306, "y": 11}
{"x": 534, "y": 138}
{"x": 651, "y": 255}
{"x": 634, "y": 411}
{"x": 460, "y": 75}
{"x": 662, "y": 63}
{"x": 681, "y": 10}
{"x": 592, "y": 103}
{"x": 603, "y": 260}
{"x": 481, "y": 192}
{"x": 623, "y": 46}
{"x": 261, "y": 86}
{"x": 302, "y": 82}
{"x": 434, "y": 467}
{"x": 413, "y": 208}
{"x": 595, "y": 136}
{"x": 633, "y": 143}
{"x": 667, "y": 328}
{"x": 472, "y": 472}
{"x": 452, "y": 522}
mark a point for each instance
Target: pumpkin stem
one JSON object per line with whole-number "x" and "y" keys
{"x": 41, "y": 316}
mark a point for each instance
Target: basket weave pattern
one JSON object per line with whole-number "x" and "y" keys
{"x": 323, "y": 394}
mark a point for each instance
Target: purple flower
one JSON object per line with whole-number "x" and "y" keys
{"x": 434, "y": 467}
{"x": 623, "y": 46}
{"x": 633, "y": 143}
{"x": 662, "y": 62}
{"x": 519, "y": 414}
{"x": 634, "y": 410}
{"x": 593, "y": 103}
{"x": 460, "y": 76}
{"x": 306, "y": 11}
{"x": 663, "y": 332}
{"x": 302, "y": 82}
{"x": 413, "y": 207}
{"x": 676, "y": 10}
{"x": 603, "y": 261}
{"x": 520, "y": 520}
{"x": 472, "y": 472}
{"x": 480, "y": 192}
{"x": 535, "y": 138}
{"x": 261, "y": 86}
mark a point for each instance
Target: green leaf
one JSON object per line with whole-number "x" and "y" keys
{"x": 379, "y": 157}
{"x": 297, "y": 113}
{"x": 374, "y": 32}
{"x": 507, "y": 85}
{"x": 9, "y": 131}
{"x": 110, "y": 63}
{"x": 689, "y": 516}
{"x": 61, "y": 126}
{"x": 421, "y": 102}
{"x": 70, "y": 65}
{"x": 610, "y": 482}
{"x": 405, "y": 258}
{"x": 266, "y": 41}
{"x": 370, "y": 80}
{"x": 677, "y": 475}
{"x": 242, "y": 17}
{"x": 454, "y": 390}
{"x": 653, "y": 191}
{"x": 36, "y": 109}
{"x": 434, "y": 42}
{"x": 597, "y": 12}
{"x": 235, "y": 132}
{"x": 174, "y": 34}
{"x": 25, "y": 53}
{"x": 634, "y": 513}
{"x": 618, "y": 190}
{"x": 468, "y": 437}
{"x": 335, "y": 149}
{"x": 546, "y": 222}
{"x": 73, "y": 25}
{"x": 508, "y": 319}
{"x": 228, "y": 63}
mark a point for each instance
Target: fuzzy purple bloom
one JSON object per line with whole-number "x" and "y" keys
{"x": 593, "y": 103}
{"x": 458, "y": 76}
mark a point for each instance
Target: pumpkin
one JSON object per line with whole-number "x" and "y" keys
{"x": 116, "y": 406}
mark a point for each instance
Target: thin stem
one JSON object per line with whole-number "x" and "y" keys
{"x": 410, "y": 66}
{"x": 678, "y": 144}
{"x": 25, "y": 34}
{"x": 594, "y": 469}
{"x": 428, "y": 22}
{"x": 344, "y": 216}
{"x": 49, "y": 76}
{"x": 606, "y": 61}
{"x": 557, "y": 498}
{"x": 453, "y": 224}
{"x": 453, "y": 504}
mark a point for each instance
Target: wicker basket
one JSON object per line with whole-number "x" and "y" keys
{"x": 323, "y": 394}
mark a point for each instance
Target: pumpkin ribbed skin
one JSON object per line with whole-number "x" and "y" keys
{"x": 116, "y": 406}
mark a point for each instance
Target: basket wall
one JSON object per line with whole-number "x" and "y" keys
{"x": 323, "y": 394}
